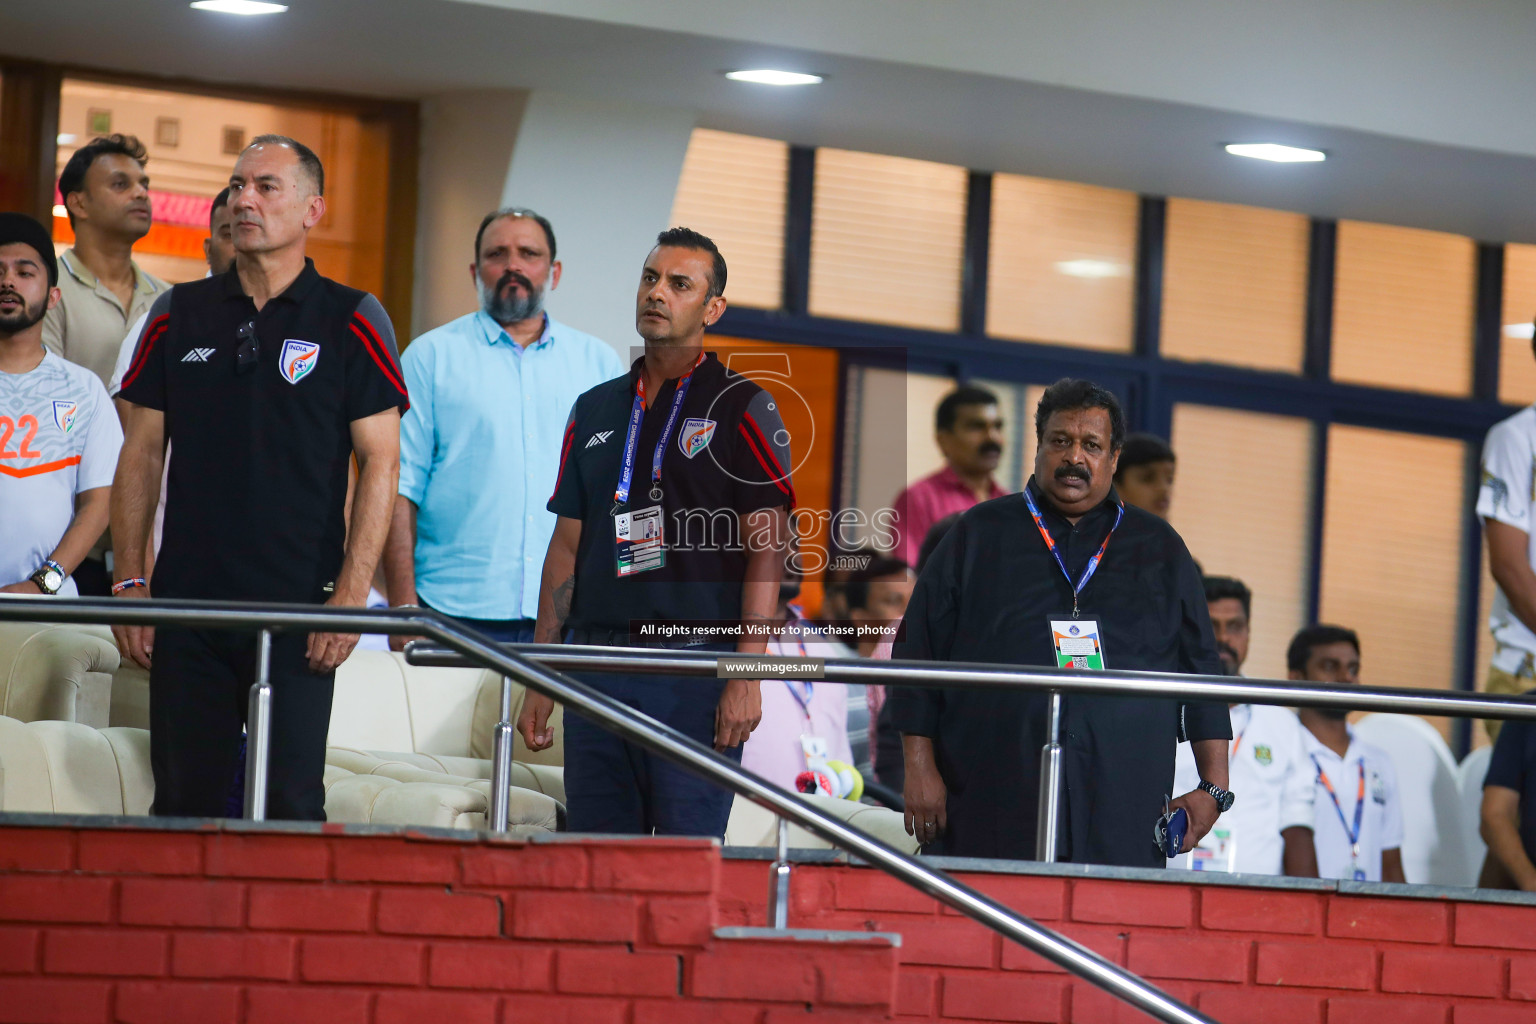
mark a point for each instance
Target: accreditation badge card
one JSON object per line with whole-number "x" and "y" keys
{"x": 1216, "y": 852}
{"x": 1077, "y": 644}
{"x": 639, "y": 538}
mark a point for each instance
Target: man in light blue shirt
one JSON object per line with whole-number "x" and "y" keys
{"x": 480, "y": 446}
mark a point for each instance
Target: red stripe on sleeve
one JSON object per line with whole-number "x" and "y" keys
{"x": 565, "y": 452}
{"x": 382, "y": 365}
{"x": 767, "y": 448}
{"x": 776, "y": 478}
{"x": 152, "y": 334}
{"x": 384, "y": 357}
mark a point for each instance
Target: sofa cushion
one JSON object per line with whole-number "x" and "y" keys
{"x": 752, "y": 825}
{"x": 55, "y": 672}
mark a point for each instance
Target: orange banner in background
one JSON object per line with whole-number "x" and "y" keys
{"x": 163, "y": 239}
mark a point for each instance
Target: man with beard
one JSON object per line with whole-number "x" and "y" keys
{"x": 969, "y": 432}
{"x": 1061, "y": 575}
{"x": 480, "y": 446}
{"x": 1358, "y": 817}
{"x": 1270, "y": 832}
{"x": 59, "y": 437}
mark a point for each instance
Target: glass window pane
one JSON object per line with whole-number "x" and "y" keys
{"x": 1517, "y": 367}
{"x": 888, "y": 442}
{"x": 1235, "y": 285}
{"x": 1249, "y": 518}
{"x": 1062, "y": 263}
{"x": 1392, "y": 552}
{"x": 734, "y": 189}
{"x": 875, "y": 221}
{"x": 1403, "y": 307}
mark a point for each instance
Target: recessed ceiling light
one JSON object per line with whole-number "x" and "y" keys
{"x": 59, "y": 211}
{"x": 766, "y": 76}
{"x": 1277, "y": 153}
{"x": 1091, "y": 269}
{"x": 1523, "y": 331}
{"x": 247, "y": 7}
{"x": 65, "y": 139}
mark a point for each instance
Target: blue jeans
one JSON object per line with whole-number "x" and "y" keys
{"x": 503, "y": 631}
{"x": 616, "y": 787}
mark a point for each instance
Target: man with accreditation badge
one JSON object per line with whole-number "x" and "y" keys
{"x": 672, "y": 495}
{"x": 1063, "y": 575}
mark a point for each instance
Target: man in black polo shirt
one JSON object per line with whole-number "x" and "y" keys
{"x": 268, "y": 379}
{"x": 673, "y": 498}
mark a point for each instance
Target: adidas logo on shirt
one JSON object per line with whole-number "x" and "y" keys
{"x": 599, "y": 437}
{"x": 198, "y": 355}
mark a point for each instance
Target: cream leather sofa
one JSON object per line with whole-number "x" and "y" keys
{"x": 67, "y": 768}
{"x": 395, "y": 724}
{"x": 751, "y": 825}
{"x": 56, "y": 672}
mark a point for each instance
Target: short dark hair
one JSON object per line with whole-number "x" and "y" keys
{"x": 936, "y": 533}
{"x": 308, "y": 161}
{"x": 687, "y": 238}
{"x": 1075, "y": 393}
{"x": 219, "y": 202}
{"x": 516, "y": 211}
{"x": 1141, "y": 449}
{"x": 1317, "y": 635}
{"x": 1221, "y": 588}
{"x": 72, "y": 178}
{"x": 856, "y": 588}
{"x": 949, "y": 406}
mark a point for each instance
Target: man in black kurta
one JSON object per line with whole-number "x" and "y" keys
{"x": 987, "y": 595}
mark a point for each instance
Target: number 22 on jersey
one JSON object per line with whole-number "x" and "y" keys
{"x": 8, "y": 428}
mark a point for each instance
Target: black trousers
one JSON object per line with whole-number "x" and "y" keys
{"x": 199, "y": 687}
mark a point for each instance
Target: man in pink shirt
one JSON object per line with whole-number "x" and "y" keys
{"x": 969, "y": 430}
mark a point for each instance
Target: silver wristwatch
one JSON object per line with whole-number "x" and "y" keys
{"x": 49, "y": 577}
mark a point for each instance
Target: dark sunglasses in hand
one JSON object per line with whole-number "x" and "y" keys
{"x": 250, "y": 347}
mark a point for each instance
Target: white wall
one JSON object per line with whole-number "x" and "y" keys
{"x": 466, "y": 148}
{"x": 605, "y": 174}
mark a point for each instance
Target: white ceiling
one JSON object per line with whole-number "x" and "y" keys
{"x": 1424, "y": 107}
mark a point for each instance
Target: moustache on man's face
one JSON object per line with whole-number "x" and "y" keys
{"x": 509, "y": 277}
{"x": 989, "y": 448}
{"x": 1068, "y": 470}
{"x": 1227, "y": 652}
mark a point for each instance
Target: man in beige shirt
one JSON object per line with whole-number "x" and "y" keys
{"x": 106, "y": 193}
{"x": 102, "y": 290}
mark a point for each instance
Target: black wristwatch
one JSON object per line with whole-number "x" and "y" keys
{"x": 1223, "y": 797}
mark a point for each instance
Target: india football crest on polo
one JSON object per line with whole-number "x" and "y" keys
{"x": 695, "y": 435}
{"x": 297, "y": 359}
{"x": 64, "y": 414}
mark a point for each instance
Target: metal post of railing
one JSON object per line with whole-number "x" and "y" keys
{"x": 778, "y": 881}
{"x": 1047, "y": 818}
{"x": 258, "y": 729}
{"x": 501, "y": 761}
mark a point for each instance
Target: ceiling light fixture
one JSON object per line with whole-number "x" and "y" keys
{"x": 59, "y": 211}
{"x": 1524, "y": 331}
{"x": 1093, "y": 270}
{"x": 246, "y": 7}
{"x": 765, "y": 76}
{"x": 1276, "y": 153}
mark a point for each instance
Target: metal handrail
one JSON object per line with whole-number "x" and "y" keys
{"x": 967, "y": 675}
{"x": 634, "y": 727}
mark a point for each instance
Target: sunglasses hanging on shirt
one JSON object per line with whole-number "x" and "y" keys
{"x": 250, "y": 347}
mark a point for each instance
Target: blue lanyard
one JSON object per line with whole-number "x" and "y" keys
{"x": 632, "y": 436}
{"x": 1050, "y": 543}
{"x": 1354, "y": 834}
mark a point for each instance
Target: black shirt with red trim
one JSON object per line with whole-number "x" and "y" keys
{"x": 728, "y": 457}
{"x": 259, "y": 454}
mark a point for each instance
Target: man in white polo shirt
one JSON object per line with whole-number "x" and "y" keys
{"x": 59, "y": 437}
{"x": 1504, "y": 505}
{"x": 1269, "y": 830}
{"x": 1359, "y": 813}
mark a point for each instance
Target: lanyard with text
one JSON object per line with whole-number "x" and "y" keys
{"x": 1354, "y": 834}
{"x": 1237, "y": 743}
{"x": 632, "y": 437}
{"x": 1093, "y": 563}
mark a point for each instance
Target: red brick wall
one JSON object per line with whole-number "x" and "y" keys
{"x": 1245, "y": 955}
{"x": 100, "y": 925}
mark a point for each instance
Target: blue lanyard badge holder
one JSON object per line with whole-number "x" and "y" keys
{"x": 639, "y": 535}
